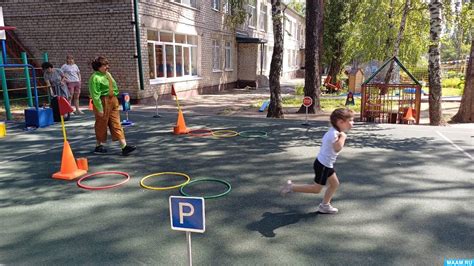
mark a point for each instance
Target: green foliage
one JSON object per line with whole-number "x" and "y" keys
{"x": 454, "y": 74}
{"x": 447, "y": 91}
{"x": 238, "y": 14}
{"x": 368, "y": 31}
{"x": 336, "y": 15}
{"x": 297, "y": 6}
{"x": 456, "y": 43}
{"x": 299, "y": 90}
{"x": 451, "y": 82}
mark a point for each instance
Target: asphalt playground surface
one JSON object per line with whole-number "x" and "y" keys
{"x": 406, "y": 195}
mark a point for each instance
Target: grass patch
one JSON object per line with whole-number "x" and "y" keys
{"x": 448, "y": 91}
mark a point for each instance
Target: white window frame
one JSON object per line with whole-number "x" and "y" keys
{"x": 228, "y": 65}
{"x": 182, "y": 46}
{"x": 227, "y": 8}
{"x": 216, "y": 55}
{"x": 252, "y": 9}
{"x": 216, "y": 5}
{"x": 263, "y": 17}
{"x": 180, "y": 2}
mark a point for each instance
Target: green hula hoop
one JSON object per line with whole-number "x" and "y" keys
{"x": 142, "y": 182}
{"x": 225, "y": 133}
{"x": 253, "y": 134}
{"x": 229, "y": 187}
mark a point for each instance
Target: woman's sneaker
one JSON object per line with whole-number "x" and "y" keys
{"x": 327, "y": 208}
{"x": 100, "y": 150}
{"x": 128, "y": 149}
{"x": 286, "y": 188}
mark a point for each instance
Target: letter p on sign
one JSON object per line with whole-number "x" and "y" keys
{"x": 187, "y": 214}
{"x": 182, "y": 213}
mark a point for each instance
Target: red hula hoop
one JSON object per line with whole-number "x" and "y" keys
{"x": 79, "y": 184}
{"x": 204, "y": 132}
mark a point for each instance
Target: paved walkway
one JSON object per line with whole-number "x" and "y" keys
{"x": 243, "y": 102}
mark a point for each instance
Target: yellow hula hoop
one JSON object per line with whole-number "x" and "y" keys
{"x": 225, "y": 133}
{"x": 142, "y": 182}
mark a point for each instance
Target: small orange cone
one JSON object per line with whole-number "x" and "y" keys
{"x": 69, "y": 168}
{"x": 180, "y": 127}
{"x": 82, "y": 163}
{"x": 409, "y": 116}
{"x": 91, "y": 105}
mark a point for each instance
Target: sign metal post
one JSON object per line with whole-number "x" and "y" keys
{"x": 307, "y": 102}
{"x": 188, "y": 214}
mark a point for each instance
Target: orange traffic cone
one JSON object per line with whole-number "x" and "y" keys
{"x": 69, "y": 168}
{"x": 91, "y": 105}
{"x": 180, "y": 127}
{"x": 409, "y": 116}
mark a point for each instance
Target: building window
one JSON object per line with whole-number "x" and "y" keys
{"x": 216, "y": 55}
{"x": 252, "y": 9}
{"x": 228, "y": 55}
{"x": 191, "y": 3}
{"x": 227, "y": 7}
{"x": 216, "y": 4}
{"x": 171, "y": 55}
{"x": 262, "y": 24}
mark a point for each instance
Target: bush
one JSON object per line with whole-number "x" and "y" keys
{"x": 450, "y": 82}
{"x": 299, "y": 90}
{"x": 454, "y": 74}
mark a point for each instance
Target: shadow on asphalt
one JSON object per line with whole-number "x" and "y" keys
{"x": 272, "y": 221}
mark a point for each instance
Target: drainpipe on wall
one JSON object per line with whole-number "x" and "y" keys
{"x": 138, "y": 43}
{"x": 261, "y": 59}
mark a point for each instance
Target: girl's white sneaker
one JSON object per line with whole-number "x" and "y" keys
{"x": 327, "y": 208}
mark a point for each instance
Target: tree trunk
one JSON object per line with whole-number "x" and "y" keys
{"x": 434, "y": 76}
{"x": 396, "y": 47}
{"x": 389, "y": 41}
{"x": 275, "y": 109}
{"x": 465, "y": 113}
{"x": 312, "y": 81}
{"x": 320, "y": 25}
{"x": 336, "y": 62}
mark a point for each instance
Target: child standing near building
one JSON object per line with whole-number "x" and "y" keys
{"x": 342, "y": 120}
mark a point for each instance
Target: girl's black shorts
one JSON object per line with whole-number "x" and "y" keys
{"x": 321, "y": 172}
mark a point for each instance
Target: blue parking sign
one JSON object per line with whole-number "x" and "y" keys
{"x": 187, "y": 214}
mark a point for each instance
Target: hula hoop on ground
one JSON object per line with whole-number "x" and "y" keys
{"x": 253, "y": 134}
{"x": 142, "y": 182}
{"x": 79, "y": 182}
{"x": 203, "y": 132}
{"x": 229, "y": 187}
{"x": 225, "y": 133}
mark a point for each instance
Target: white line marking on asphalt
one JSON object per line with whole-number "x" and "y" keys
{"x": 456, "y": 146}
{"x": 58, "y": 146}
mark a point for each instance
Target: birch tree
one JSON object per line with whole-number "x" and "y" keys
{"x": 434, "y": 71}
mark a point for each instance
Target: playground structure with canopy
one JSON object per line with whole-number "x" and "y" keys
{"x": 397, "y": 101}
